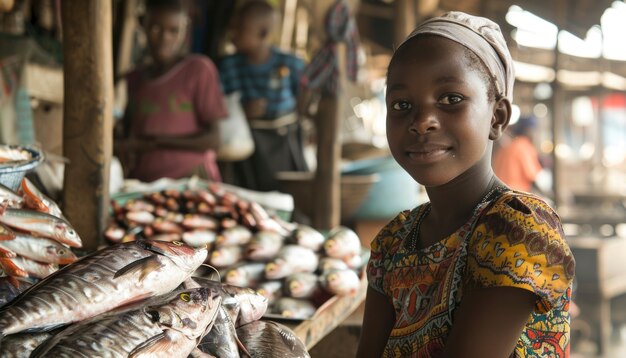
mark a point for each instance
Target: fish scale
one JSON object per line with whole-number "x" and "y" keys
{"x": 67, "y": 296}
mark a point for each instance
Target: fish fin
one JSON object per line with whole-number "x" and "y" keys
{"x": 159, "y": 343}
{"x": 143, "y": 266}
{"x": 7, "y": 253}
{"x": 242, "y": 348}
{"x": 14, "y": 282}
{"x": 11, "y": 269}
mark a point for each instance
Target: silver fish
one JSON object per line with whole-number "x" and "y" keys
{"x": 11, "y": 287}
{"x": 291, "y": 259}
{"x": 243, "y": 304}
{"x": 41, "y": 224}
{"x": 99, "y": 282}
{"x": 342, "y": 242}
{"x": 271, "y": 339}
{"x": 301, "y": 285}
{"x": 264, "y": 246}
{"x": 307, "y": 236}
{"x": 33, "y": 268}
{"x": 11, "y": 198}
{"x": 171, "y": 324}
{"x": 272, "y": 290}
{"x": 199, "y": 238}
{"x": 341, "y": 282}
{"x": 39, "y": 249}
{"x": 221, "y": 340}
{"x": 294, "y": 308}
{"x": 226, "y": 256}
{"x": 21, "y": 345}
{"x": 36, "y": 200}
{"x": 329, "y": 263}
{"x": 245, "y": 274}
{"x": 237, "y": 235}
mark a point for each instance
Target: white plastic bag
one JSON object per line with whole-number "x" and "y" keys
{"x": 236, "y": 142}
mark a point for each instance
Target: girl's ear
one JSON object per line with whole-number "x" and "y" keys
{"x": 500, "y": 118}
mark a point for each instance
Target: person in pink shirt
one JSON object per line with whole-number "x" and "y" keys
{"x": 170, "y": 128}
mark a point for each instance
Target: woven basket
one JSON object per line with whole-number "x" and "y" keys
{"x": 11, "y": 175}
{"x": 354, "y": 191}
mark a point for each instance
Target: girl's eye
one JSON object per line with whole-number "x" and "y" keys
{"x": 450, "y": 99}
{"x": 401, "y": 106}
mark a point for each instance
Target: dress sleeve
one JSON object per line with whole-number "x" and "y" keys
{"x": 520, "y": 243}
{"x": 381, "y": 250}
{"x": 209, "y": 98}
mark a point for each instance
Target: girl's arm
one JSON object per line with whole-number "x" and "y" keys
{"x": 489, "y": 322}
{"x": 378, "y": 321}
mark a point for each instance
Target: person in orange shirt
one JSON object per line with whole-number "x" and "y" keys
{"x": 517, "y": 163}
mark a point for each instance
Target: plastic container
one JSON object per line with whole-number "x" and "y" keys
{"x": 11, "y": 174}
{"x": 394, "y": 192}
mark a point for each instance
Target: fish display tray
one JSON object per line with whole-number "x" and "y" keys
{"x": 327, "y": 317}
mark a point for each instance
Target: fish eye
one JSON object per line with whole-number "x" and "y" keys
{"x": 185, "y": 297}
{"x": 61, "y": 252}
{"x": 177, "y": 243}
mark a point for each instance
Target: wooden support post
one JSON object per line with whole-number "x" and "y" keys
{"x": 87, "y": 127}
{"x": 405, "y": 18}
{"x": 326, "y": 187}
{"x": 125, "y": 48}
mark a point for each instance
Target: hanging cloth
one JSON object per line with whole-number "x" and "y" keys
{"x": 322, "y": 73}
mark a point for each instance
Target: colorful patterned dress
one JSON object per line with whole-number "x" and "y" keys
{"x": 516, "y": 241}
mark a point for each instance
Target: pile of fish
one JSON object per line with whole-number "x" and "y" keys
{"x": 11, "y": 155}
{"x": 35, "y": 238}
{"x": 138, "y": 299}
{"x": 295, "y": 266}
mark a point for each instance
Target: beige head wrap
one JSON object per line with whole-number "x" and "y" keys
{"x": 481, "y": 36}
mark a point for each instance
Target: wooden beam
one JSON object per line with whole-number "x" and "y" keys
{"x": 87, "y": 127}
{"x": 405, "y": 20}
{"x": 125, "y": 47}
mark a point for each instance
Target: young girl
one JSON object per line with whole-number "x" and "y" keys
{"x": 174, "y": 104}
{"x": 480, "y": 270}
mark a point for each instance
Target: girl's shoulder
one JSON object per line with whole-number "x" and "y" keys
{"x": 393, "y": 233}
{"x": 523, "y": 208}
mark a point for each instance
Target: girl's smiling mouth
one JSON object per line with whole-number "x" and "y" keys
{"x": 427, "y": 153}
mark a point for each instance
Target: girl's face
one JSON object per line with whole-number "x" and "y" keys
{"x": 439, "y": 117}
{"x": 166, "y": 32}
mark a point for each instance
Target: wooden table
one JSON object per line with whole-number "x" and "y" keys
{"x": 601, "y": 276}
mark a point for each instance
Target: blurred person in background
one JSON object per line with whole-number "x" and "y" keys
{"x": 517, "y": 164}
{"x": 170, "y": 128}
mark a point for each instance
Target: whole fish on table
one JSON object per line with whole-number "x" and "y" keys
{"x": 34, "y": 269}
{"x": 271, "y": 339}
{"x": 307, "y": 236}
{"x": 294, "y": 308}
{"x": 41, "y": 224}
{"x": 197, "y": 221}
{"x": 9, "y": 197}
{"x": 21, "y": 345}
{"x": 243, "y": 304}
{"x": 221, "y": 340}
{"x": 225, "y": 256}
{"x": 341, "y": 282}
{"x": 166, "y": 326}
{"x": 329, "y": 263}
{"x": 99, "y": 282}
{"x": 342, "y": 242}
{"x": 237, "y": 235}
{"x": 272, "y": 290}
{"x": 301, "y": 285}
{"x": 35, "y": 199}
{"x": 247, "y": 274}
{"x": 291, "y": 259}
{"x": 11, "y": 287}
{"x": 199, "y": 238}
{"x": 264, "y": 246}
{"x": 39, "y": 249}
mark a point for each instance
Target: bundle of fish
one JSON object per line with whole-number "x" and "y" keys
{"x": 35, "y": 238}
{"x": 293, "y": 265}
{"x": 134, "y": 299}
